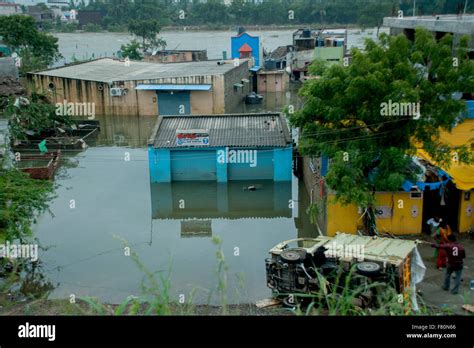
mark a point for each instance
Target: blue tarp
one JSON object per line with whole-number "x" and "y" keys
{"x": 407, "y": 185}
{"x": 470, "y": 109}
{"x": 174, "y": 87}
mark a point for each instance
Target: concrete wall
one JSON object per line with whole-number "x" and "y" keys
{"x": 9, "y": 9}
{"x": 234, "y": 96}
{"x": 402, "y": 219}
{"x": 8, "y": 67}
{"x": 445, "y": 24}
{"x": 176, "y": 165}
{"x": 253, "y": 41}
{"x": 176, "y": 56}
{"x": 133, "y": 103}
{"x": 272, "y": 82}
{"x": 466, "y": 213}
{"x": 202, "y": 103}
{"x": 334, "y": 217}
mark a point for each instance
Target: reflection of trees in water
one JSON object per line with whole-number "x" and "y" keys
{"x": 68, "y": 161}
{"x": 22, "y": 280}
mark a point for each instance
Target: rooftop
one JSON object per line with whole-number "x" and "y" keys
{"x": 443, "y": 23}
{"x": 233, "y": 130}
{"x": 110, "y": 70}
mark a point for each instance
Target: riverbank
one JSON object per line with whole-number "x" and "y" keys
{"x": 432, "y": 298}
{"x": 64, "y": 307}
{"x": 217, "y": 27}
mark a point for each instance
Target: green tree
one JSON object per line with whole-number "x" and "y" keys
{"x": 132, "y": 50}
{"x": 148, "y": 31}
{"x": 37, "y": 50}
{"x": 342, "y": 117}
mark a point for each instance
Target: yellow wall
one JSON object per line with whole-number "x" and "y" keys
{"x": 466, "y": 222}
{"x": 341, "y": 218}
{"x": 346, "y": 218}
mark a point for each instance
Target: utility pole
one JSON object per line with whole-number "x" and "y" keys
{"x": 414, "y": 8}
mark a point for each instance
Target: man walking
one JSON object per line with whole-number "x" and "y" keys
{"x": 456, "y": 253}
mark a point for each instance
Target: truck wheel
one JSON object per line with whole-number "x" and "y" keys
{"x": 294, "y": 255}
{"x": 368, "y": 268}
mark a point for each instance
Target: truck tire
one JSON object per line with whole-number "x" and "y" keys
{"x": 295, "y": 255}
{"x": 370, "y": 269}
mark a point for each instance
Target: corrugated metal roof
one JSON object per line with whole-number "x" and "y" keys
{"x": 233, "y": 130}
{"x": 110, "y": 70}
{"x": 374, "y": 248}
{"x": 144, "y": 87}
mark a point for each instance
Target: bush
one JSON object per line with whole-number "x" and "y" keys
{"x": 117, "y": 28}
{"x": 68, "y": 28}
{"x": 92, "y": 28}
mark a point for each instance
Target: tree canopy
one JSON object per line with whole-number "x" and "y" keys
{"x": 240, "y": 12}
{"x": 37, "y": 50}
{"x": 342, "y": 116}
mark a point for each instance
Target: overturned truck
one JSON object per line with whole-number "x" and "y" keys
{"x": 305, "y": 265}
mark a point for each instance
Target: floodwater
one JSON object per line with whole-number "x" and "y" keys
{"x": 105, "y": 203}
{"x": 95, "y": 45}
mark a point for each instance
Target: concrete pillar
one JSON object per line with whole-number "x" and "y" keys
{"x": 282, "y": 164}
{"x": 159, "y": 162}
{"x": 221, "y": 166}
{"x": 222, "y": 198}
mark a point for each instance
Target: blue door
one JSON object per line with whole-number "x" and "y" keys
{"x": 174, "y": 103}
{"x": 193, "y": 165}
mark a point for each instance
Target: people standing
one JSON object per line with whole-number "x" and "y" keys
{"x": 442, "y": 239}
{"x": 434, "y": 224}
{"x": 456, "y": 254}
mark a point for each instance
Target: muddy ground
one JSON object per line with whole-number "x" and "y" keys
{"x": 432, "y": 293}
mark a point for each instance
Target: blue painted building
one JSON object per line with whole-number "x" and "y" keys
{"x": 246, "y": 46}
{"x": 220, "y": 148}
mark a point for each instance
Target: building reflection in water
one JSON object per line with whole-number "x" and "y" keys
{"x": 196, "y": 204}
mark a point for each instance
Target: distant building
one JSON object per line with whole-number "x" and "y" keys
{"x": 90, "y": 17}
{"x": 8, "y": 67}
{"x": 40, "y": 14}
{"x": 7, "y": 9}
{"x": 272, "y": 81}
{"x": 176, "y": 56}
{"x": 245, "y": 45}
{"x": 220, "y": 148}
{"x": 144, "y": 88}
{"x": 440, "y": 25}
{"x": 308, "y": 45}
{"x": 58, "y": 3}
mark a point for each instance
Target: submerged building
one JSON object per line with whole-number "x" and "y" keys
{"x": 117, "y": 87}
{"x": 220, "y": 148}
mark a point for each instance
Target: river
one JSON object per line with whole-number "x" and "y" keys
{"x": 95, "y": 45}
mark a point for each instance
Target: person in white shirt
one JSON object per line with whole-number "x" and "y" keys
{"x": 434, "y": 224}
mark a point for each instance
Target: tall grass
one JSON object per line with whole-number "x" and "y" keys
{"x": 155, "y": 298}
{"x": 347, "y": 299}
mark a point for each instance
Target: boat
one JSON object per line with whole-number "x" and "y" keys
{"x": 72, "y": 139}
{"x": 253, "y": 98}
{"x": 40, "y": 166}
